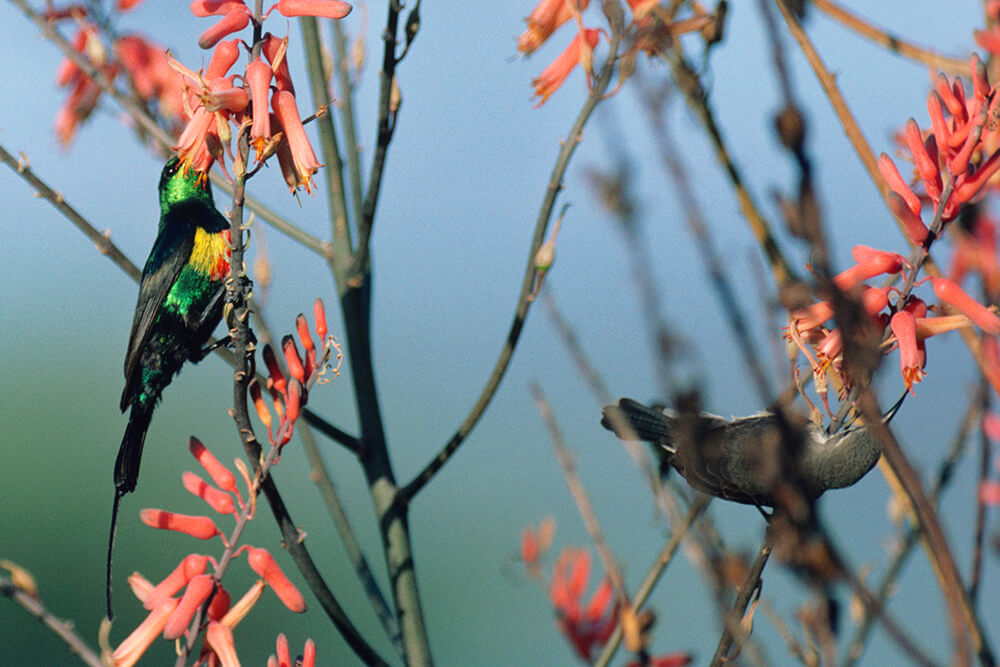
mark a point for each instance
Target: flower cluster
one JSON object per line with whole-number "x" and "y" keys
{"x": 213, "y": 101}
{"x": 904, "y": 316}
{"x": 588, "y": 624}
{"x": 289, "y": 394}
{"x": 284, "y": 658}
{"x": 84, "y": 93}
{"x": 171, "y": 611}
{"x": 953, "y": 162}
{"x": 650, "y": 31}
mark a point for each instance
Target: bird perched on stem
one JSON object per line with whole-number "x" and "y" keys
{"x": 742, "y": 460}
{"x": 180, "y": 302}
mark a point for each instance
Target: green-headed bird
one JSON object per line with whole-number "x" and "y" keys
{"x": 180, "y": 303}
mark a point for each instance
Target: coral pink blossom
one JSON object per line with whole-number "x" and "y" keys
{"x": 201, "y": 527}
{"x": 197, "y": 591}
{"x": 258, "y": 79}
{"x": 219, "y": 473}
{"x": 188, "y": 569}
{"x": 545, "y": 19}
{"x": 298, "y": 174}
{"x": 955, "y": 296}
{"x": 135, "y": 645}
{"x": 219, "y": 638}
{"x": 329, "y": 9}
{"x": 577, "y": 52}
{"x": 586, "y": 626}
{"x": 911, "y": 361}
{"x": 235, "y": 20}
{"x": 267, "y": 569}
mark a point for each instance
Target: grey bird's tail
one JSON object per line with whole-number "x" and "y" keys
{"x": 631, "y": 420}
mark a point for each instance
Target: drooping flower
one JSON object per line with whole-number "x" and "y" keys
{"x": 135, "y": 645}
{"x": 545, "y": 19}
{"x": 911, "y": 360}
{"x": 586, "y": 626}
{"x": 579, "y": 51}
{"x": 295, "y": 154}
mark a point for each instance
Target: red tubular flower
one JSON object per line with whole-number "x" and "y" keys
{"x": 293, "y": 407}
{"x": 190, "y": 567}
{"x": 954, "y": 295}
{"x": 552, "y": 77}
{"x": 260, "y": 405}
{"x": 319, "y": 314}
{"x": 896, "y": 183}
{"x": 545, "y": 19}
{"x": 235, "y": 20}
{"x": 328, "y": 9}
{"x": 874, "y": 299}
{"x": 309, "y": 654}
{"x": 911, "y": 361}
{"x": 914, "y": 226}
{"x": 205, "y": 8}
{"x": 220, "y": 501}
{"x": 584, "y": 627}
{"x": 219, "y": 473}
{"x": 258, "y": 78}
{"x": 201, "y": 527}
{"x": 220, "y": 604}
{"x": 304, "y": 164}
{"x": 927, "y": 166}
{"x": 224, "y": 56}
{"x": 292, "y": 359}
{"x": 870, "y": 263}
{"x": 125, "y": 5}
{"x": 971, "y": 187}
{"x": 274, "y": 49}
{"x": 267, "y": 569}
{"x": 134, "y": 646}
{"x": 276, "y": 379}
{"x": 219, "y": 638}
{"x": 938, "y": 124}
{"x": 195, "y": 594}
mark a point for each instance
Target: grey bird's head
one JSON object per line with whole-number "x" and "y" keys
{"x": 745, "y": 459}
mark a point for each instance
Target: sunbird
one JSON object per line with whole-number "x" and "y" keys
{"x": 180, "y": 303}
{"x": 737, "y": 460}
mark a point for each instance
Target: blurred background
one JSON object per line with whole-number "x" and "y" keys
{"x": 466, "y": 174}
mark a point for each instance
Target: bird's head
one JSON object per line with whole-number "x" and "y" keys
{"x": 180, "y": 183}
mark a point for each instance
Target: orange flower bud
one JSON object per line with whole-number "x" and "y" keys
{"x": 914, "y": 226}
{"x": 190, "y": 567}
{"x": 276, "y": 377}
{"x": 328, "y": 9}
{"x": 319, "y": 314}
{"x": 224, "y": 56}
{"x": 219, "y": 473}
{"x": 205, "y": 8}
{"x": 201, "y": 527}
{"x": 952, "y": 294}
{"x": 220, "y": 638}
{"x": 219, "y": 605}
{"x": 235, "y": 20}
{"x": 896, "y": 183}
{"x": 195, "y": 594}
{"x": 263, "y": 564}
{"x": 292, "y": 359}
{"x": 218, "y": 500}
{"x": 258, "y": 403}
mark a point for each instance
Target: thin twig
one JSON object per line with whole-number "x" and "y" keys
{"x": 346, "y": 105}
{"x": 890, "y": 41}
{"x": 579, "y": 493}
{"x": 102, "y": 241}
{"x": 523, "y": 304}
{"x": 732, "y": 630}
{"x": 62, "y": 629}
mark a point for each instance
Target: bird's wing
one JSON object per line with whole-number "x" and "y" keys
{"x": 169, "y": 255}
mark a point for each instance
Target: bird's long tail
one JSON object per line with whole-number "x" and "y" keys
{"x": 127, "y": 473}
{"x": 631, "y": 420}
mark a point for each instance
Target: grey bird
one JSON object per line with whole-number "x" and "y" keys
{"x": 745, "y": 459}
